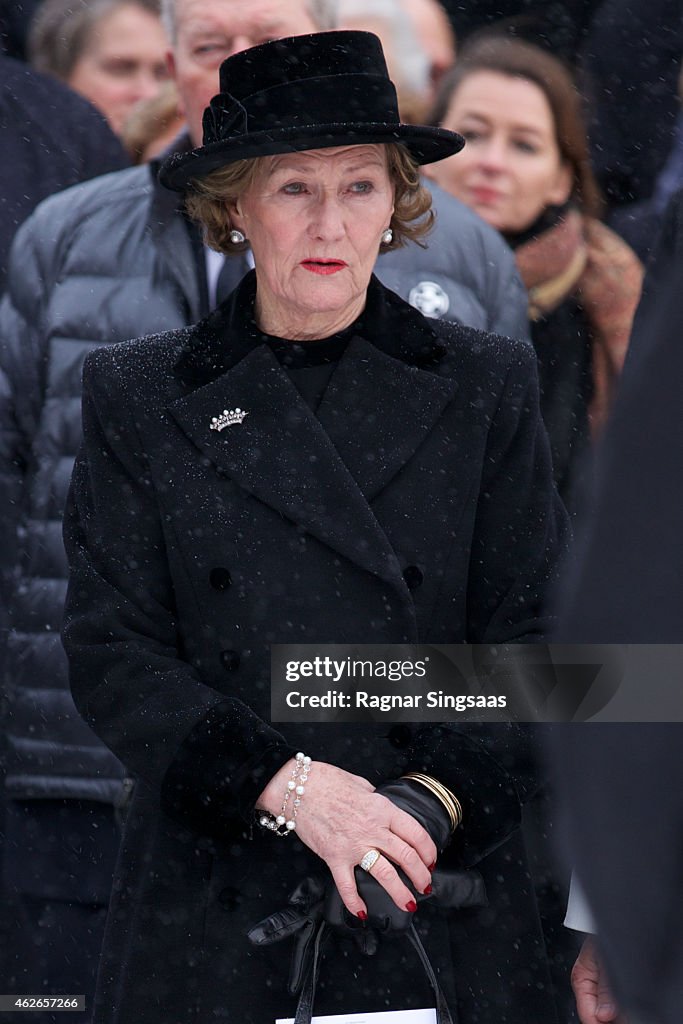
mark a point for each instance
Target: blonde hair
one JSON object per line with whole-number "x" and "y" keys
{"x": 150, "y": 123}
{"x": 211, "y": 196}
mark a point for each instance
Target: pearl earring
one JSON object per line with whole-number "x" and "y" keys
{"x": 236, "y": 237}
{"x": 387, "y": 236}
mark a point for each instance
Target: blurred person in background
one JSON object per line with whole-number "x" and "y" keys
{"x": 626, "y": 588}
{"x": 435, "y": 34}
{"x": 153, "y": 125}
{"x": 631, "y": 972}
{"x": 51, "y": 139}
{"x": 526, "y": 171}
{"x": 635, "y": 123}
{"x": 559, "y": 26}
{"x": 666, "y": 257}
{"x": 113, "y": 52}
{"x": 418, "y": 42}
{"x": 406, "y": 58}
{"x": 631, "y": 62}
{"x": 641, "y": 223}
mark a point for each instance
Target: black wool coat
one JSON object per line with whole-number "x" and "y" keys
{"x": 52, "y": 138}
{"x": 627, "y": 588}
{"x": 192, "y": 550}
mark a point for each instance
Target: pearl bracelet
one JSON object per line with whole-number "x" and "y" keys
{"x": 282, "y": 825}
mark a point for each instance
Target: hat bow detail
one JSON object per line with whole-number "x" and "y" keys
{"x": 224, "y": 118}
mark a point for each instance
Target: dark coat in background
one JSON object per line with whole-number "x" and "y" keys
{"x": 662, "y": 268}
{"x": 193, "y": 550}
{"x": 557, "y": 25}
{"x": 628, "y": 587}
{"x": 631, "y": 63}
{"x": 622, "y": 789}
{"x": 15, "y": 18}
{"x": 623, "y": 784}
{"x": 51, "y": 138}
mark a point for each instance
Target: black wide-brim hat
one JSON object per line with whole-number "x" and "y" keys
{"x": 304, "y": 92}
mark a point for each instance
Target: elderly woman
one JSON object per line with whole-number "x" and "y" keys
{"x": 315, "y": 462}
{"x": 526, "y": 171}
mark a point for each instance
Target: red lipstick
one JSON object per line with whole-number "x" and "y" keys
{"x": 323, "y": 266}
{"x": 482, "y": 194}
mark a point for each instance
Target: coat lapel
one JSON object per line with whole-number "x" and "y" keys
{"x": 377, "y": 410}
{"x": 281, "y": 454}
{"x": 314, "y": 470}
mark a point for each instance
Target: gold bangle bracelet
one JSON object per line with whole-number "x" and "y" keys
{"x": 443, "y": 795}
{"x": 430, "y": 781}
{"x": 447, "y": 797}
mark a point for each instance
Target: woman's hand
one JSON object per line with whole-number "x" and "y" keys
{"x": 341, "y": 817}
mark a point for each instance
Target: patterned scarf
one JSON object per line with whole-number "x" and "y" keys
{"x": 580, "y": 256}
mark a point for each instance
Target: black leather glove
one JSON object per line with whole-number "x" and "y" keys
{"x": 417, "y": 801}
{"x": 302, "y": 918}
{"x": 384, "y": 916}
{"x": 315, "y": 902}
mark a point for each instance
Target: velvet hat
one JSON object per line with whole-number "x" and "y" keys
{"x": 304, "y": 92}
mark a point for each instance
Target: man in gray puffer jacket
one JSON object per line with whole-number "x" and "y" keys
{"x": 101, "y": 263}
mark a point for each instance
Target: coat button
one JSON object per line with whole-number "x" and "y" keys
{"x": 400, "y": 736}
{"x": 229, "y": 898}
{"x": 230, "y": 660}
{"x": 413, "y": 576}
{"x": 220, "y": 578}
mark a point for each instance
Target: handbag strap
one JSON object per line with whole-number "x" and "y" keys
{"x": 443, "y": 1013}
{"x": 304, "y": 1010}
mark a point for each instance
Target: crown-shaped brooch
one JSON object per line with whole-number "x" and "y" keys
{"x": 228, "y": 418}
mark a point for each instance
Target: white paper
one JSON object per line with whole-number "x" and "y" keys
{"x": 383, "y": 1017}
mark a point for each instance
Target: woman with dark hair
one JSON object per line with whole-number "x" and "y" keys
{"x": 113, "y": 52}
{"x": 526, "y": 170}
{"x": 315, "y": 462}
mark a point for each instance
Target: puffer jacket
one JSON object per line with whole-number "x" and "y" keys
{"x": 467, "y": 273}
{"x": 104, "y": 262}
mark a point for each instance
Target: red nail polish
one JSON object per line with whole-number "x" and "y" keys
{"x": 432, "y": 866}
{"x": 428, "y": 891}
{"x": 411, "y": 906}
{"x": 362, "y": 914}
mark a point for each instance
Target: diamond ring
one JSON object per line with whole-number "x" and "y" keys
{"x": 369, "y": 860}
